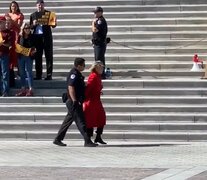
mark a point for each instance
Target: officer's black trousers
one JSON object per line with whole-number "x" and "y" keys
{"x": 99, "y": 52}
{"x": 46, "y": 45}
{"x": 73, "y": 115}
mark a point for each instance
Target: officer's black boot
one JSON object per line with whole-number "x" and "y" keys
{"x": 88, "y": 142}
{"x": 98, "y": 136}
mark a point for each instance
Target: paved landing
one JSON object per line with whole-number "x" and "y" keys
{"x": 31, "y": 160}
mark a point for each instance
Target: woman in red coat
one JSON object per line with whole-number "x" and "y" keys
{"x": 93, "y": 109}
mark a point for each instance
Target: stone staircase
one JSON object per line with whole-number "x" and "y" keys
{"x": 152, "y": 96}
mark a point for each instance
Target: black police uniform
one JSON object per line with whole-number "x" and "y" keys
{"x": 43, "y": 42}
{"x": 99, "y": 39}
{"x": 75, "y": 110}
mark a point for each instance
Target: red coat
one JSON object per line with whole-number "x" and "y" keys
{"x": 93, "y": 110}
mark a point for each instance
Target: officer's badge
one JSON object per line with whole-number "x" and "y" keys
{"x": 99, "y": 22}
{"x": 72, "y": 76}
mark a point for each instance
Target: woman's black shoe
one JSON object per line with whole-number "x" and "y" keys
{"x": 99, "y": 140}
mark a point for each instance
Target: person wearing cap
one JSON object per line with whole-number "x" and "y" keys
{"x": 44, "y": 41}
{"x": 93, "y": 109}
{"x": 76, "y": 96}
{"x": 7, "y": 37}
{"x": 99, "y": 36}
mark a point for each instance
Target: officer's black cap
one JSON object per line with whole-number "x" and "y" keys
{"x": 98, "y": 9}
{"x": 39, "y": 1}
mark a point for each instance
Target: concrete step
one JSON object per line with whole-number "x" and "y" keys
{"x": 132, "y": 28}
{"x": 109, "y": 99}
{"x": 123, "y": 135}
{"x": 118, "y": 8}
{"x": 135, "y": 56}
{"x": 117, "y": 116}
{"x": 200, "y": 92}
{"x": 88, "y": 3}
{"x": 55, "y": 4}
{"x": 152, "y": 83}
{"x": 60, "y": 83}
{"x": 139, "y": 65}
{"x": 135, "y": 21}
{"x": 111, "y": 126}
{"x": 138, "y": 73}
{"x": 158, "y": 107}
{"x": 134, "y": 42}
{"x": 132, "y": 49}
{"x": 137, "y": 34}
{"x": 131, "y": 14}
{"x": 153, "y": 100}
{"x": 181, "y": 92}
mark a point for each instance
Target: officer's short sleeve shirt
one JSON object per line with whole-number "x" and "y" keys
{"x": 100, "y": 23}
{"x": 72, "y": 77}
{"x": 76, "y": 80}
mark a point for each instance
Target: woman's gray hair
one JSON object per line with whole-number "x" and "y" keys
{"x": 95, "y": 64}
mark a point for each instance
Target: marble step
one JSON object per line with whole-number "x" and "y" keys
{"x": 131, "y": 14}
{"x": 129, "y": 57}
{"x": 80, "y": 51}
{"x": 55, "y": 4}
{"x": 138, "y": 73}
{"x": 190, "y": 117}
{"x": 79, "y": 43}
{"x": 136, "y": 21}
{"x": 110, "y": 126}
{"x": 132, "y": 28}
{"x": 139, "y": 65}
{"x": 125, "y": 82}
{"x": 155, "y": 107}
{"x": 182, "y": 8}
{"x": 112, "y": 99}
{"x": 121, "y": 135}
{"x": 179, "y": 92}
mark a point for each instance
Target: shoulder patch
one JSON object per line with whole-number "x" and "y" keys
{"x": 99, "y": 22}
{"x": 72, "y": 76}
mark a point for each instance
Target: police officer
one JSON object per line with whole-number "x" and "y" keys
{"x": 76, "y": 91}
{"x": 99, "y": 29}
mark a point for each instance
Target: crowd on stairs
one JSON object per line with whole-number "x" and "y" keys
{"x": 22, "y": 43}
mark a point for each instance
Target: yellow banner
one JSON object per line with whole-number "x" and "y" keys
{"x": 1, "y": 38}
{"x": 52, "y": 19}
{"x": 22, "y": 50}
{"x": 49, "y": 18}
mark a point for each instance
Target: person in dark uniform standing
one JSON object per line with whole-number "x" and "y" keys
{"x": 99, "y": 34}
{"x": 44, "y": 41}
{"x": 76, "y": 95}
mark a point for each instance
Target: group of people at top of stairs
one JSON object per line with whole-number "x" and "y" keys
{"x": 19, "y": 46}
{"x": 21, "y": 43}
